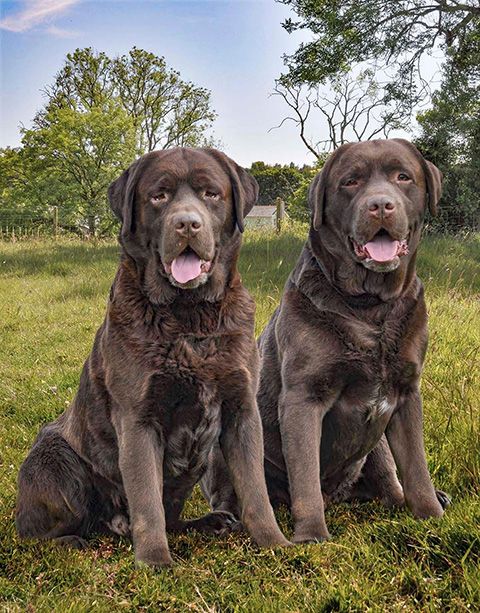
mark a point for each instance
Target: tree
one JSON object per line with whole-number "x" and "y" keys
{"x": 276, "y": 181}
{"x": 354, "y": 108}
{"x": 392, "y": 33}
{"x": 450, "y": 137}
{"x": 166, "y": 110}
{"x": 80, "y": 153}
{"x": 29, "y": 188}
{"x": 288, "y": 182}
{"x": 100, "y": 114}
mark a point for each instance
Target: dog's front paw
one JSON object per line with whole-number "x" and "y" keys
{"x": 153, "y": 558}
{"x": 426, "y": 509}
{"x": 306, "y": 539}
{"x": 310, "y": 533}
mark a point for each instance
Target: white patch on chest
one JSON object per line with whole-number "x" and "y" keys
{"x": 378, "y": 406}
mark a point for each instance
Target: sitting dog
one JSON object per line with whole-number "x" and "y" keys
{"x": 172, "y": 373}
{"x": 343, "y": 353}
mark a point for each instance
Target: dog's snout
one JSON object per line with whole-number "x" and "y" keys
{"x": 380, "y": 206}
{"x": 187, "y": 223}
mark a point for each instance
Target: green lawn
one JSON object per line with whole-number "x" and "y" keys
{"x": 52, "y": 299}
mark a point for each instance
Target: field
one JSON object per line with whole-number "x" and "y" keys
{"x": 52, "y": 299}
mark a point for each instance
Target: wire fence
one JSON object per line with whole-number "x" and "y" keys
{"x": 14, "y": 226}
{"x": 22, "y": 225}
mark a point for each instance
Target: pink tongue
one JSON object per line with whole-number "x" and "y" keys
{"x": 186, "y": 267}
{"x": 382, "y": 248}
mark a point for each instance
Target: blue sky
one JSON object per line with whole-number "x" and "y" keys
{"x": 234, "y": 48}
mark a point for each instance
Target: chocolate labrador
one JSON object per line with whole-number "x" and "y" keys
{"x": 172, "y": 372}
{"x": 343, "y": 353}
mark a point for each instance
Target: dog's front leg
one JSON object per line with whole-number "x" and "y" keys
{"x": 241, "y": 442}
{"x": 405, "y": 437}
{"x": 141, "y": 466}
{"x": 301, "y": 431}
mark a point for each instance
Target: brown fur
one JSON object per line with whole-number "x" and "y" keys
{"x": 172, "y": 373}
{"x": 343, "y": 353}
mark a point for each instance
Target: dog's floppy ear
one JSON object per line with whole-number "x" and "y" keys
{"x": 434, "y": 185}
{"x": 121, "y": 194}
{"x": 316, "y": 198}
{"x": 433, "y": 177}
{"x": 318, "y": 188}
{"x": 244, "y": 186}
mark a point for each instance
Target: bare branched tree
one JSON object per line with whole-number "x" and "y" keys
{"x": 353, "y": 108}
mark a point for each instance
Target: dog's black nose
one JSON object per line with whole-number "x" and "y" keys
{"x": 187, "y": 223}
{"x": 380, "y": 206}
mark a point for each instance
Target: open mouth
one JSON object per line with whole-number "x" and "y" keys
{"x": 381, "y": 248}
{"x": 187, "y": 266}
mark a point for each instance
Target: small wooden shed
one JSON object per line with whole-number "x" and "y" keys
{"x": 262, "y": 216}
{"x": 266, "y": 216}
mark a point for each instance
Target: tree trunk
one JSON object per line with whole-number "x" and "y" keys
{"x": 92, "y": 225}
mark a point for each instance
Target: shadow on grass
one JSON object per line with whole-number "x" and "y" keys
{"x": 85, "y": 291}
{"x": 42, "y": 258}
{"x": 444, "y": 262}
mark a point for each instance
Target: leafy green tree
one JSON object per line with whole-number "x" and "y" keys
{"x": 29, "y": 188}
{"x": 297, "y": 205}
{"x": 276, "y": 181}
{"x": 450, "y": 137}
{"x": 166, "y": 110}
{"x": 394, "y": 34}
{"x": 99, "y": 115}
{"x": 288, "y": 182}
{"x": 80, "y": 153}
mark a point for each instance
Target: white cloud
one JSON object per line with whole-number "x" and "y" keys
{"x": 60, "y": 32}
{"x": 34, "y": 13}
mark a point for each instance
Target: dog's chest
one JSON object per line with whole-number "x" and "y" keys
{"x": 379, "y": 404}
{"x": 361, "y": 415}
{"x": 371, "y": 374}
{"x": 189, "y": 442}
{"x": 185, "y": 410}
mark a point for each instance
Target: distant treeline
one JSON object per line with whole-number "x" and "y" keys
{"x": 101, "y": 113}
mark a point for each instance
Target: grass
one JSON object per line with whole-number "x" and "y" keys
{"x": 52, "y": 299}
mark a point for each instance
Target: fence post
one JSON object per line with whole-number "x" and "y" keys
{"x": 280, "y": 213}
{"x": 55, "y": 220}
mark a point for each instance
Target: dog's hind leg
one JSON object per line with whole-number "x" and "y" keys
{"x": 217, "y": 486}
{"x": 379, "y": 479}
{"x": 54, "y": 492}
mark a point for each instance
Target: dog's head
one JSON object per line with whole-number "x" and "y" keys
{"x": 181, "y": 207}
{"x": 371, "y": 199}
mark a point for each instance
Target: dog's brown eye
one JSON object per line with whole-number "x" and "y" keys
{"x": 403, "y": 177}
{"x": 350, "y": 182}
{"x": 159, "y": 198}
{"x": 212, "y": 195}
